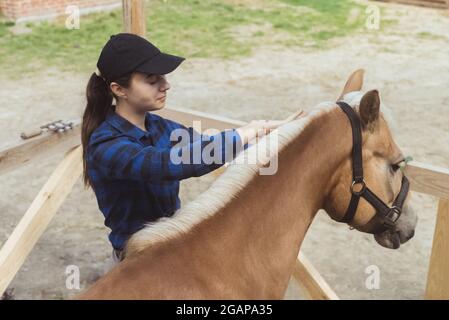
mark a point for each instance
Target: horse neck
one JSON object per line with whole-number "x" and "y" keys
{"x": 261, "y": 230}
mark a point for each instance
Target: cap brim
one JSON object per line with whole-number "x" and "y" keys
{"x": 163, "y": 63}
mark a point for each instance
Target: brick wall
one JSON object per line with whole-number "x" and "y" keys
{"x": 26, "y": 10}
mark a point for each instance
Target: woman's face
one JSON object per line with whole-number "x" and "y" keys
{"x": 147, "y": 92}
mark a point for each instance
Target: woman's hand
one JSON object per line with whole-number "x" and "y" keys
{"x": 259, "y": 128}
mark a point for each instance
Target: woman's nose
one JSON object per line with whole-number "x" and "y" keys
{"x": 165, "y": 85}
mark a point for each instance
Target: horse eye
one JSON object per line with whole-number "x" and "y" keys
{"x": 395, "y": 167}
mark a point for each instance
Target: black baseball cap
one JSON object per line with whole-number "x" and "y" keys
{"x": 127, "y": 52}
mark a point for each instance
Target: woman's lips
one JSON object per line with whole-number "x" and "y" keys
{"x": 161, "y": 98}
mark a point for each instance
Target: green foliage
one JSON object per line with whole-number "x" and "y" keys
{"x": 190, "y": 28}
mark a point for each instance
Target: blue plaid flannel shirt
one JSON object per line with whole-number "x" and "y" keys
{"x": 132, "y": 174}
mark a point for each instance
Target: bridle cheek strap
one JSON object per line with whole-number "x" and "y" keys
{"x": 385, "y": 217}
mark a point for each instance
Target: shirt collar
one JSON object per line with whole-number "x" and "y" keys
{"x": 127, "y": 127}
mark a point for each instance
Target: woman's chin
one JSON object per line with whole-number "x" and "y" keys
{"x": 157, "y": 106}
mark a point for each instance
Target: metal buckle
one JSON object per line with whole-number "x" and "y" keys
{"x": 390, "y": 220}
{"x": 362, "y": 189}
{"x": 396, "y": 210}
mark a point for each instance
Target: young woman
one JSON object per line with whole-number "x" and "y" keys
{"x": 128, "y": 151}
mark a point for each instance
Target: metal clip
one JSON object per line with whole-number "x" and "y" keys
{"x": 54, "y": 126}
{"x": 389, "y": 220}
{"x": 362, "y": 188}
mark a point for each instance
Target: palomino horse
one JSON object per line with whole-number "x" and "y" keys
{"x": 241, "y": 238}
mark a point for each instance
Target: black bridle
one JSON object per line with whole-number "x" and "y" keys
{"x": 385, "y": 217}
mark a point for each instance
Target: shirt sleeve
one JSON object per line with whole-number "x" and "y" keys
{"x": 195, "y": 135}
{"x": 122, "y": 158}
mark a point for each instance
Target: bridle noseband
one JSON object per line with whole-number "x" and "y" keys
{"x": 385, "y": 217}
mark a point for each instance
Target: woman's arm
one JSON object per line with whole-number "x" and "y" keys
{"x": 121, "y": 158}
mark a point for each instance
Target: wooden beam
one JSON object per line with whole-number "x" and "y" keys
{"x": 438, "y": 274}
{"x": 16, "y": 249}
{"x": 424, "y": 178}
{"x": 186, "y": 117}
{"x": 428, "y": 179}
{"x": 311, "y": 280}
{"x": 134, "y": 17}
{"x": 439, "y": 4}
{"x": 15, "y": 154}
{"x": 20, "y": 152}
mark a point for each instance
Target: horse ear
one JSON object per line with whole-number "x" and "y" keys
{"x": 369, "y": 108}
{"x": 354, "y": 83}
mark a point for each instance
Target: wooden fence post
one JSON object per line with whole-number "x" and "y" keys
{"x": 438, "y": 274}
{"x": 134, "y": 17}
{"x": 311, "y": 280}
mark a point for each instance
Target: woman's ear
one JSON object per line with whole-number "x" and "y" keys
{"x": 118, "y": 90}
{"x": 369, "y": 109}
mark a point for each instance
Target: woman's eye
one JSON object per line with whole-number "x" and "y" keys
{"x": 152, "y": 79}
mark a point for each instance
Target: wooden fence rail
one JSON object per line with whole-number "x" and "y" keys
{"x": 38, "y": 216}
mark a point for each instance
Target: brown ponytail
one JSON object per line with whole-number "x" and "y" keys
{"x": 99, "y": 101}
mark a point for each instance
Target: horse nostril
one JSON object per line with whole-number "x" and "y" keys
{"x": 411, "y": 234}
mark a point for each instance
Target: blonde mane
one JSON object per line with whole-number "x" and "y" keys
{"x": 227, "y": 186}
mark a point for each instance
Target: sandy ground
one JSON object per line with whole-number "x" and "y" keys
{"x": 410, "y": 71}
